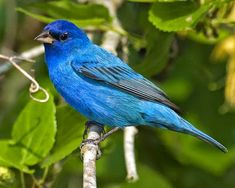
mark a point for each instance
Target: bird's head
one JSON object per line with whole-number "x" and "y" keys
{"x": 61, "y": 35}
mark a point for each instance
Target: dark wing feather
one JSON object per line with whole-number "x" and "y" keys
{"x": 127, "y": 80}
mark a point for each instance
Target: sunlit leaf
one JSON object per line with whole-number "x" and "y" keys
{"x": 34, "y": 131}
{"x": 70, "y": 126}
{"x": 82, "y": 15}
{"x": 202, "y": 38}
{"x": 36, "y": 16}
{"x": 152, "y": 1}
{"x": 172, "y": 0}
{"x": 176, "y": 16}
{"x": 143, "y": 1}
{"x": 7, "y": 176}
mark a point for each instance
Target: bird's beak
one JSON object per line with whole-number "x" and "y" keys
{"x": 45, "y": 37}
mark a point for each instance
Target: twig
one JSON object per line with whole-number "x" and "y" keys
{"x": 29, "y": 54}
{"x": 1, "y": 77}
{"x": 89, "y": 152}
{"x": 111, "y": 39}
{"x": 110, "y": 42}
{"x": 22, "y": 179}
{"x": 34, "y": 87}
{"x": 129, "y": 135}
{"x": 129, "y": 147}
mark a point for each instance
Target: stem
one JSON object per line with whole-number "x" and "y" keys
{"x": 45, "y": 173}
{"x": 22, "y": 179}
{"x": 29, "y": 54}
{"x": 129, "y": 151}
{"x": 34, "y": 87}
{"x": 36, "y": 183}
{"x": 40, "y": 182}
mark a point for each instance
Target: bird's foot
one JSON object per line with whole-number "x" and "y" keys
{"x": 102, "y": 138}
{"x": 95, "y": 141}
{"x": 89, "y": 124}
{"x": 106, "y": 135}
{"x": 91, "y": 141}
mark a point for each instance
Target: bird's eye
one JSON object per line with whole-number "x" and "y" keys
{"x": 63, "y": 36}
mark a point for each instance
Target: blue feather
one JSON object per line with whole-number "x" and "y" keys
{"x": 104, "y": 88}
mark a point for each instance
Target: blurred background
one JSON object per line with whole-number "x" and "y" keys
{"x": 186, "y": 47}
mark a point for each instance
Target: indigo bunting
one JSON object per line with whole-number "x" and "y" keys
{"x": 104, "y": 88}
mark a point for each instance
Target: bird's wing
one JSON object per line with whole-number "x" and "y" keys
{"x": 126, "y": 79}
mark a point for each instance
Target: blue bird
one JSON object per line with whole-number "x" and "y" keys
{"x": 104, "y": 88}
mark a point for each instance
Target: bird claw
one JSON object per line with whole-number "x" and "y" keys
{"x": 87, "y": 127}
{"x": 91, "y": 141}
{"x": 97, "y": 141}
{"x": 102, "y": 138}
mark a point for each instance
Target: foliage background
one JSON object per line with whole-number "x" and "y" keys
{"x": 187, "y": 47}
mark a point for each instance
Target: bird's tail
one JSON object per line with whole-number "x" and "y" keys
{"x": 190, "y": 129}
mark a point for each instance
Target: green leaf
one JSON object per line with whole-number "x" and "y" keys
{"x": 2, "y": 19}
{"x": 26, "y": 2}
{"x": 173, "y": 0}
{"x": 70, "y": 126}
{"x": 158, "y": 46}
{"x": 152, "y": 1}
{"x": 10, "y": 156}
{"x": 36, "y": 16}
{"x": 178, "y": 88}
{"x": 147, "y": 178}
{"x": 190, "y": 150}
{"x": 81, "y": 15}
{"x": 202, "y": 38}
{"x": 34, "y": 131}
{"x": 177, "y": 16}
{"x": 143, "y": 1}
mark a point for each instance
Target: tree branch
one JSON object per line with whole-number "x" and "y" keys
{"x": 89, "y": 152}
